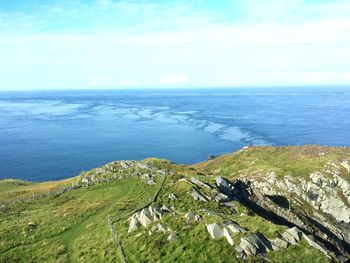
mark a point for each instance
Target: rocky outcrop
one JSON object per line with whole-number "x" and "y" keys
{"x": 253, "y": 196}
{"x": 254, "y": 244}
{"x": 234, "y": 227}
{"x": 200, "y": 184}
{"x": 198, "y": 196}
{"x": 326, "y": 191}
{"x": 216, "y": 232}
{"x": 192, "y": 217}
{"x": 146, "y": 216}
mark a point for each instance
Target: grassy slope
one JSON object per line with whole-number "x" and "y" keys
{"x": 293, "y": 160}
{"x": 12, "y": 189}
{"x": 73, "y": 227}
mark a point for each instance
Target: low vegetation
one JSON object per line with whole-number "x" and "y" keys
{"x": 73, "y": 226}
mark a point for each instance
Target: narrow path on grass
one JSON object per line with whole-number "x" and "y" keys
{"x": 99, "y": 219}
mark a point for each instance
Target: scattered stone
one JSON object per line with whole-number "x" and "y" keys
{"x": 134, "y": 223}
{"x": 172, "y": 237}
{"x": 346, "y": 165}
{"x": 292, "y": 235}
{"x": 163, "y": 228}
{"x": 172, "y": 197}
{"x": 32, "y": 224}
{"x": 146, "y": 166}
{"x": 230, "y": 206}
{"x": 198, "y": 196}
{"x": 199, "y": 183}
{"x": 228, "y": 236}
{"x": 139, "y": 234}
{"x": 150, "y": 182}
{"x": 126, "y": 164}
{"x": 166, "y": 209}
{"x": 234, "y": 227}
{"x": 215, "y": 231}
{"x": 225, "y": 186}
{"x": 197, "y": 218}
{"x": 146, "y": 216}
{"x": 220, "y": 198}
{"x": 254, "y": 244}
{"x": 189, "y": 217}
{"x": 278, "y": 243}
{"x": 146, "y": 177}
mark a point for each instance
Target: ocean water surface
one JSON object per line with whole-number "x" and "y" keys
{"x": 49, "y": 135}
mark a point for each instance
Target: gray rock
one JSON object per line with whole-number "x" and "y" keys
{"x": 224, "y": 185}
{"x": 163, "y": 228}
{"x": 151, "y": 182}
{"x": 228, "y": 236}
{"x": 230, "y": 206}
{"x": 346, "y": 165}
{"x": 164, "y": 208}
{"x": 172, "y": 237}
{"x": 172, "y": 197}
{"x": 145, "y": 217}
{"x": 134, "y": 223}
{"x": 189, "y": 217}
{"x": 234, "y": 227}
{"x": 278, "y": 243}
{"x": 316, "y": 245}
{"x": 292, "y": 235}
{"x": 146, "y": 177}
{"x": 200, "y": 184}
{"x": 198, "y": 196}
{"x": 215, "y": 231}
{"x": 254, "y": 244}
{"x": 126, "y": 164}
{"x": 220, "y": 198}
{"x": 146, "y": 166}
{"x": 197, "y": 218}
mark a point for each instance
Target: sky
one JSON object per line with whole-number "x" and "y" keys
{"x": 100, "y": 44}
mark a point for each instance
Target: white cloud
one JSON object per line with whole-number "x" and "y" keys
{"x": 175, "y": 79}
{"x": 301, "y": 43}
{"x": 129, "y": 82}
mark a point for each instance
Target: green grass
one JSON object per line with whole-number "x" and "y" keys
{"x": 298, "y": 253}
{"x": 73, "y": 227}
{"x": 293, "y": 160}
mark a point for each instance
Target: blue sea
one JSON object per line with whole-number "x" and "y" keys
{"x": 50, "y": 135}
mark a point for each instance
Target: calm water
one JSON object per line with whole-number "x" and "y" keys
{"x": 54, "y": 135}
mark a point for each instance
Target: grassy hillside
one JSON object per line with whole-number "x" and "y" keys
{"x": 296, "y": 161}
{"x": 73, "y": 226}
